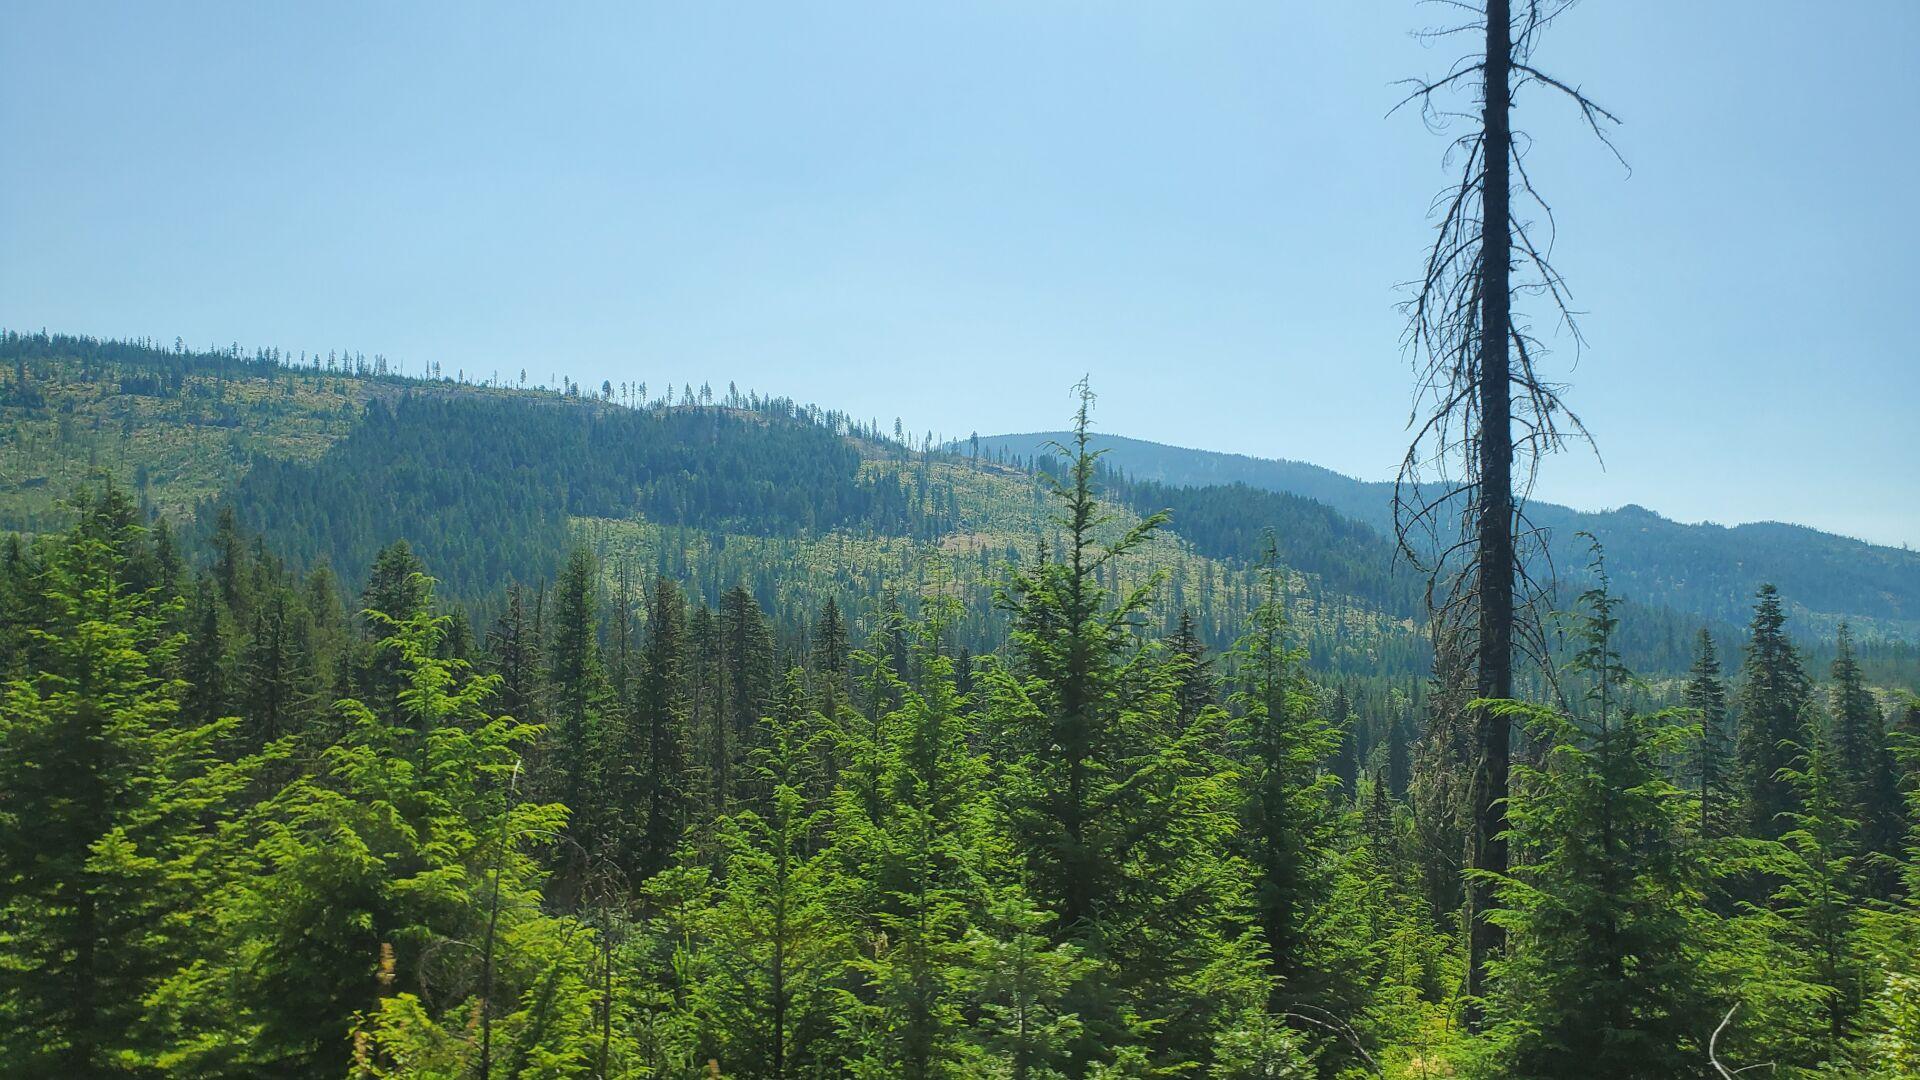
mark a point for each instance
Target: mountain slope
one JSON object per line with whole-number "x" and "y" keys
{"x": 1709, "y": 571}
{"x": 493, "y": 485}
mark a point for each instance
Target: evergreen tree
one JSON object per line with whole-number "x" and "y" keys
{"x": 1803, "y": 949}
{"x": 713, "y": 736}
{"x": 1399, "y": 758}
{"x": 229, "y": 560}
{"x": 17, "y": 595}
{"x": 1196, "y": 676}
{"x": 927, "y": 863}
{"x": 1773, "y": 691}
{"x": 274, "y": 683}
{"x": 767, "y": 1003}
{"x": 203, "y": 662}
{"x": 396, "y": 590}
{"x": 103, "y": 789}
{"x": 747, "y": 652}
{"x": 392, "y": 887}
{"x": 578, "y": 696}
{"x": 1890, "y": 1043}
{"x": 1345, "y": 762}
{"x": 1606, "y": 913}
{"x": 1864, "y": 767}
{"x": 1025, "y": 1029}
{"x": 1706, "y": 694}
{"x": 1287, "y": 816}
{"x": 831, "y": 645}
{"x": 1121, "y": 815}
{"x": 514, "y": 648}
{"x": 329, "y": 635}
{"x": 666, "y": 792}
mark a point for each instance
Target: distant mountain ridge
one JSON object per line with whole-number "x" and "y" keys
{"x": 1706, "y": 570}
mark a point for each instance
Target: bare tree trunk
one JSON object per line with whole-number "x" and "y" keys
{"x": 1493, "y": 587}
{"x": 1471, "y": 357}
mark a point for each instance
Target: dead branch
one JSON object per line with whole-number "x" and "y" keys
{"x": 1338, "y": 1027}
{"x": 1442, "y": 334}
{"x": 1713, "y": 1050}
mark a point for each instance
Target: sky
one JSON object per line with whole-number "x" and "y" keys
{"x": 949, "y": 212}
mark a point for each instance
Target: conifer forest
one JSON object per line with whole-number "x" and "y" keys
{"x": 364, "y": 719}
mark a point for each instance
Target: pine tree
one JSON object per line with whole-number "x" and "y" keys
{"x": 708, "y": 716}
{"x": 747, "y": 651}
{"x": 1606, "y": 914}
{"x": 1706, "y": 694}
{"x": 1026, "y": 1027}
{"x": 577, "y": 683}
{"x": 203, "y": 662}
{"x": 229, "y": 560}
{"x": 1346, "y": 757}
{"x": 370, "y": 899}
{"x": 1399, "y": 757}
{"x": 329, "y": 641}
{"x": 395, "y": 590}
{"x": 275, "y": 684}
{"x": 1806, "y": 974}
{"x": 1890, "y": 1043}
{"x": 103, "y": 790}
{"x": 663, "y": 714}
{"x": 767, "y": 1002}
{"x": 1773, "y": 692}
{"x": 1121, "y": 815}
{"x": 1196, "y": 677}
{"x": 1864, "y": 767}
{"x": 831, "y": 645}
{"x": 927, "y": 863}
{"x": 17, "y": 595}
{"x": 1287, "y": 815}
{"x": 514, "y": 648}
{"x": 1819, "y": 897}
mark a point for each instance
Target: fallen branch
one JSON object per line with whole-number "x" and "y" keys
{"x": 1340, "y": 1028}
{"x": 1713, "y": 1050}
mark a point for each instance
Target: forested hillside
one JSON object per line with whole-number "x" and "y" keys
{"x": 493, "y": 486}
{"x": 1706, "y": 571}
{"x": 363, "y": 726}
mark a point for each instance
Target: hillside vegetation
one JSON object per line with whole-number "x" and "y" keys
{"x": 1707, "y": 571}
{"x": 428, "y": 730}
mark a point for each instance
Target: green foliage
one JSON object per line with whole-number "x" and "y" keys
{"x": 928, "y": 860}
{"x": 1773, "y": 692}
{"x": 1866, "y": 774}
{"x": 1706, "y": 696}
{"x": 1123, "y": 815}
{"x": 771, "y": 816}
{"x": 401, "y": 863}
{"x": 1288, "y": 819}
{"x": 774, "y": 943}
{"x": 1605, "y": 906}
{"x": 1702, "y": 571}
{"x": 103, "y": 792}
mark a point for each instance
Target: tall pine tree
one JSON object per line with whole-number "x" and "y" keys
{"x": 1773, "y": 692}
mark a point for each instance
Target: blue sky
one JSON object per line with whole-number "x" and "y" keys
{"x": 948, "y": 212}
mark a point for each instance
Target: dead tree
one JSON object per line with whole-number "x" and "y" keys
{"x": 1483, "y": 405}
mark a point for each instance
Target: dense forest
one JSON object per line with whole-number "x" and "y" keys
{"x": 259, "y": 820}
